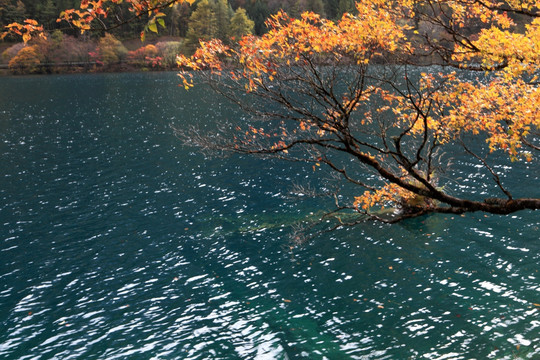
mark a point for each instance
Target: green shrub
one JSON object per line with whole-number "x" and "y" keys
{"x": 110, "y": 50}
{"x": 168, "y": 51}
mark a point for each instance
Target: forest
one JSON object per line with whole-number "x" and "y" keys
{"x": 111, "y": 47}
{"x": 47, "y": 12}
{"x": 116, "y": 42}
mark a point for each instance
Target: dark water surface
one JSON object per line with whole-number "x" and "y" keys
{"x": 116, "y": 242}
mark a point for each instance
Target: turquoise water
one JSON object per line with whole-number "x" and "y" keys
{"x": 116, "y": 242}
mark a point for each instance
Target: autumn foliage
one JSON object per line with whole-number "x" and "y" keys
{"x": 26, "y": 30}
{"x": 26, "y": 61}
{"x": 347, "y": 93}
{"x": 343, "y": 89}
{"x": 59, "y": 53}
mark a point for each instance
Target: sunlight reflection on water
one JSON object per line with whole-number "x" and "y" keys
{"x": 118, "y": 243}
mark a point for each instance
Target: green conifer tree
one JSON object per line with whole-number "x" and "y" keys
{"x": 202, "y": 25}
{"x": 224, "y": 14}
{"x": 317, "y": 6}
{"x": 15, "y": 12}
{"x": 241, "y": 24}
{"x": 48, "y": 14}
{"x": 345, "y": 6}
{"x": 258, "y": 11}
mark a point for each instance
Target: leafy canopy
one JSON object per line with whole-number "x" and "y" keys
{"x": 321, "y": 77}
{"x": 341, "y": 93}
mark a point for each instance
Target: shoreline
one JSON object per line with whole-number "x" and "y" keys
{"x": 83, "y": 68}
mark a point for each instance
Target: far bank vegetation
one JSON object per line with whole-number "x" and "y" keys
{"x": 66, "y": 51}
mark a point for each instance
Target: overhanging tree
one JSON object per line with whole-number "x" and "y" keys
{"x": 343, "y": 94}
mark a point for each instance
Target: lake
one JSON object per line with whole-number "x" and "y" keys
{"x": 117, "y": 242}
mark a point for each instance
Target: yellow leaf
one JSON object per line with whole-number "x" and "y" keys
{"x": 153, "y": 27}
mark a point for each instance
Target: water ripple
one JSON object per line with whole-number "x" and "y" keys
{"x": 117, "y": 243}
